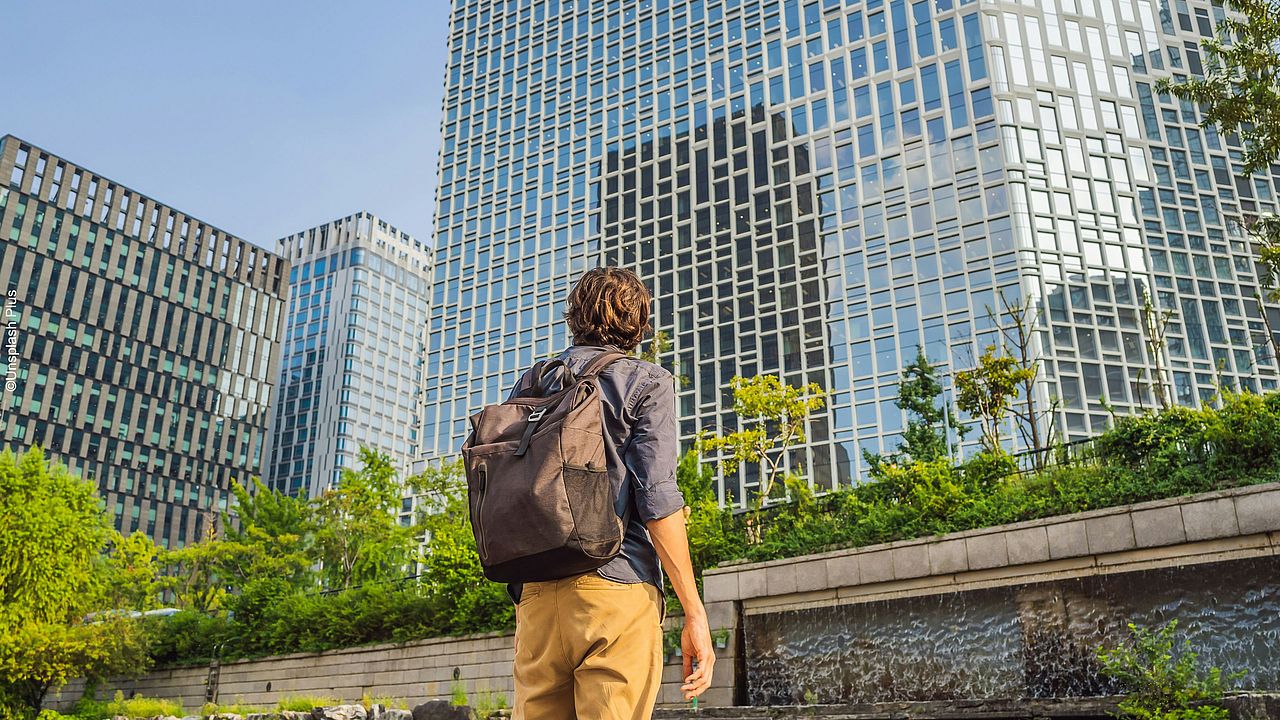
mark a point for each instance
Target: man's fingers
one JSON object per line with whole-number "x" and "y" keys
{"x": 699, "y": 680}
{"x": 697, "y": 687}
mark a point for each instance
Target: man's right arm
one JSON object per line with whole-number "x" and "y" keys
{"x": 652, "y": 456}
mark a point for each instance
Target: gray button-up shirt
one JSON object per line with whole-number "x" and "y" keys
{"x": 641, "y": 448}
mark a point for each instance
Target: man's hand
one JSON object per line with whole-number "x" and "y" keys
{"x": 672, "y": 544}
{"x": 695, "y": 645}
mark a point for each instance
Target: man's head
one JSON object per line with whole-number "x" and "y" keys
{"x": 608, "y": 306}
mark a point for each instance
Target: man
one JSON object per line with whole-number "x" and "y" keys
{"x": 590, "y": 646}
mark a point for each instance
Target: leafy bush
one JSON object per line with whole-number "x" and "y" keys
{"x": 1162, "y": 683}
{"x": 368, "y": 701}
{"x": 303, "y": 623}
{"x": 305, "y": 703}
{"x": 134, "y": 707}
{"x": 1149, "y": 457}
{"x": 235, "y": 708}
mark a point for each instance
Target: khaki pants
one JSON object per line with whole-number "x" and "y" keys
{"x": 587, "y": 647}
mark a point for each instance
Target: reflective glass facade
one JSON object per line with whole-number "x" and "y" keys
{"x": 815, "y": 189}
{"x": 141, "y": 344}
{"x": 351, "y": 366}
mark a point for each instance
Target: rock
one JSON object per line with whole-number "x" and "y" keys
{"x": 274, "y": 716}
{"x": 440, "y": 710}
{"x": 225, "y": 716}
{"x": 294, "y": 715}
{"x": 396, "y": 714}
{"x": 340, "y": 712}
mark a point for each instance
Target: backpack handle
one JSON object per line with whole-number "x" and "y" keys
{"x": 542, "y": 373}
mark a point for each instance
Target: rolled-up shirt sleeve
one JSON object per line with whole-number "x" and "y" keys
{"x": 653, "y": 451}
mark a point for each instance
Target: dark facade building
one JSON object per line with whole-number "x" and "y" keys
{"x": 141, "y": 344}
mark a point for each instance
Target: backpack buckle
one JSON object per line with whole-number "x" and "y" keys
{"x": 534, "y": 418}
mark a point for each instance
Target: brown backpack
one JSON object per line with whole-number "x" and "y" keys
{"x": 542, "y": 504}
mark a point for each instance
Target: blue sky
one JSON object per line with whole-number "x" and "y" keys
{"x": 260, "y": 117}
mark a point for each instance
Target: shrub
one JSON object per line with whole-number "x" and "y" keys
{"x": 1148, "y": 457}
{"x": 1161, "y": 682}
{"x": 368, "y": 701}
{"x": 235, "y": 708}
{"x": 187, "y": 637}
{"x": 134, "y": 707}
{"x": 305, "y": 703}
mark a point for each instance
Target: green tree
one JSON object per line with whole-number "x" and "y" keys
{"x": 56, "y": 617}
{"x": 134, "y": 566}
{"x": 1240, "y": 90}
{"x": 709, "y": 526}
{"x": 276, "y": 530}
{"x": 1155, "y": 324}
{"x": 454, "y": 576}
{"x": 776, "y": 414}
{"x": 1017, "y": 321}
{"x": 268, "y": 551}
{"x": 195, "y": 575}
{"x": 919, "y": 394}
{"x": 1265, "y": 233}
{"x": 987, "y": 391}
{"x": 358, "y": 537}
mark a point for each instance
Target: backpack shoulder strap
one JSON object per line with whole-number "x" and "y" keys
{"x": 599, "y": 363}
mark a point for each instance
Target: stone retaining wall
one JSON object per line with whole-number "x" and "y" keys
{"x": 415, "y": 671}
{"x": 1207, "y": 528}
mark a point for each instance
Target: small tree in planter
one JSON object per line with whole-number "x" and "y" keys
{"x": 775, "y": 415}
{"x": 987, "y": 391}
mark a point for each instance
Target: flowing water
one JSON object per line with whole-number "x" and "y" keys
{"x": 1032, "y": 640}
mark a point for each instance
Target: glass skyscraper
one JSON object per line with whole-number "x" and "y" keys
{"x": 140, "y": 343}
{"x": 351, "y": 366}
{"x": 817, "y": 189}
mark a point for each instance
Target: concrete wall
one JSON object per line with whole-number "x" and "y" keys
{"x": 1208, "y": 528}
{"x": 416, "y": 671}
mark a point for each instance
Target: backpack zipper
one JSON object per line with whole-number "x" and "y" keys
{"x": 484, "y": 491}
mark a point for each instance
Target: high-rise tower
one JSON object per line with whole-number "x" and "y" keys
{"x": 351, "y": 369}
{"x": 817, "y": 189}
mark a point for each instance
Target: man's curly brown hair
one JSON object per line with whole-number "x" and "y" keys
{"x": 609, "y": 306}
